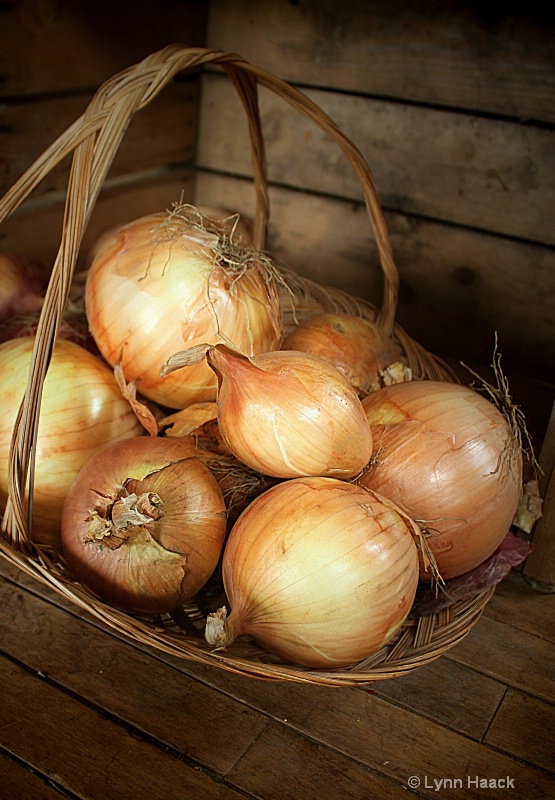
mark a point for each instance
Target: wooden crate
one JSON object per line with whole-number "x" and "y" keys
{"x": 453, "y": 106}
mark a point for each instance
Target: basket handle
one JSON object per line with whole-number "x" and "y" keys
{"x": 94, "y": 139}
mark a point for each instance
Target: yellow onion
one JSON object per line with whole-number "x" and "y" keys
{"x": 320, "y": 572}
{"x": 144, "y": 524}
{"x": 82, "y": 411}
{"x": 289, "y": 414}
{"x": 357, "y": 347}
{"x": 169, "y": 281}
{"x": 448, "y": 457}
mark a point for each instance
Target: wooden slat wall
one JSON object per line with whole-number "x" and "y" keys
{"x": 53, "y": 57}
{"x": 452, "y": 105}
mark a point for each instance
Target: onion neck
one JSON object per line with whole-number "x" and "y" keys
{"x": 230, "y": 363}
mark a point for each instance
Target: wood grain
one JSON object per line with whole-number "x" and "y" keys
{"x": 50, "y": 47}
{"x": 130, "y": 685}
{"x": 519, "y": 660}
{"x": 457, "y": 286}
{"x": 162, "y": 134}
{"x": 302, "y": 768}
{"x": 523, "y": 726}
{"x": 455, "y": 55}
{"x": 515, "y": 604}
{"x": 19, "y": 783}
{"x": 84, "y": 751}
{"x": 459, "y": 697}
{"x": 488, "y": 174}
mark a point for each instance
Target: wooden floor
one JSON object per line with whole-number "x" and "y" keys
{"x": 84, "y": 714}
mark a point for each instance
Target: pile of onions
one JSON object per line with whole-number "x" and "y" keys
{"x": 289, "y": 414}
{"x": 144, "y": 524}
{"x": 168, "y": 281}
{"x": 318, "y": 571}
{"x": 451, "y": 460}
{"x": 357, "y": 347}
{"x": 82, "y": 411}
{"x": 21, "y": 285}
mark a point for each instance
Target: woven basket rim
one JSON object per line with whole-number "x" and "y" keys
{"x": 94, "y": 139}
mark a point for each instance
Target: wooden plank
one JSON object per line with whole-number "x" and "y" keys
{"x": 540, "y": 564}
{"x": 524, "y": 727}
{"x": 457, "y": 55}
{"x": 489, "y": 174}
{"x": 87, "y": 753}
{"x": 449, "y": 693}
{"x": 509, "y": 655}
{"x": 357, "y": 723}
{"x": 375, "y": 738}
{"x": 130, "y": 685}
{"x": 161, "y": 134}
{"x": 301, "y": 768}
{"x": 539, "y": 568}
{"x": 516, "y": 604}
{"x": 19, "y": 783}
{"x": 457, "y": 286}
{"x": 52, "y": 47}
{"x": 36, "y": 228}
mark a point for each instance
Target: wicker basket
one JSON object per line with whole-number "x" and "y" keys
{"x": 94, "y": 139}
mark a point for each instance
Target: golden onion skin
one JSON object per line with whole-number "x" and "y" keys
{"x": 82, "y": 411}
{"x": 152, "y": 292}
{"x": 289, "y": 414}
{"x": 448, "y": 457}
{"x": 320, "y": 572}
{"x": 148, "y": 564}
{"x": 358, "y": 348}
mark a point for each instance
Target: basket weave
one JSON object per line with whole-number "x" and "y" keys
{"x": 94, "y": 139}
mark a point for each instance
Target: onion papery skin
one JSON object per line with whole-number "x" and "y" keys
{"x": 82, "y": 411}
{"x": 357, "y": 347}
{"x": 159, "y": 564}
{"x": 152, "y": 291}
{"x": 289, "y": 414}
{"x": 448, "y": 457}
{"x": 319, "y": 572}
{"x": 181, "y": 423}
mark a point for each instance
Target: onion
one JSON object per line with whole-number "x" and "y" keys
{"x": 21, "y": 285}
{"x": 82, "y": 410}
{"x": 449, "y": 457}
{"x": 143, "y": 524}
{"x": 320, "y": 572}
{"x": 289, "y": 414}
{"x": 167, "y": 281}
{"x": 358, "y": 348}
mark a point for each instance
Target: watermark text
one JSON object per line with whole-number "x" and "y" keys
{"x": 467, "y": 782}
